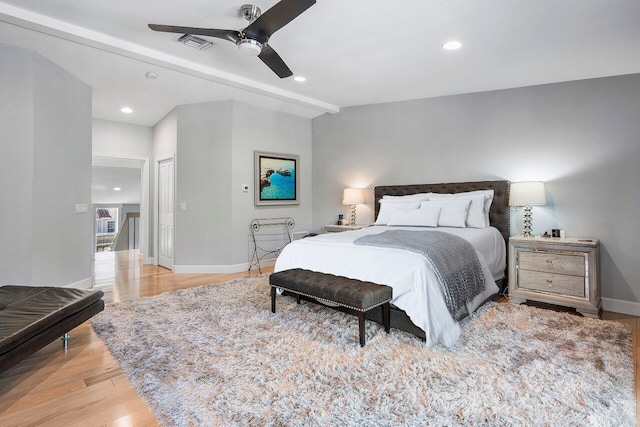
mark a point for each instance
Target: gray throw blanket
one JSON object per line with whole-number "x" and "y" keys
{"x": 454, "y": 261}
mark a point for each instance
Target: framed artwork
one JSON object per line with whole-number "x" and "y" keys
{"x": 277, "y": 179}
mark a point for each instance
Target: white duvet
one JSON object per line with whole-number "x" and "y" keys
{"x": 415, "y": 287}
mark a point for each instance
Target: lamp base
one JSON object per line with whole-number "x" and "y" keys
{"x": 527, "y": 221}
{"x": 352, "y": 215}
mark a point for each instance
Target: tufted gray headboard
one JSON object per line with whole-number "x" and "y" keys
{"x": 498, "y": 214}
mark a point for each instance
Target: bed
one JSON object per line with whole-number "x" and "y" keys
{"x": 418, "y": 304}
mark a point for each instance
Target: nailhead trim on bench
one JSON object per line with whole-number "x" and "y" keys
{"x": 332, "y": 302}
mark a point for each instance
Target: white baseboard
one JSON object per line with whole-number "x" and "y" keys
{"x": 621, "y": 306}
{"x": 220, "y": 269}
{"x": 81, "y": 284}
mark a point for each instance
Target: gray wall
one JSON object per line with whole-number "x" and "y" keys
{"x": 114, "y": 139}
{"x": 16, "y": 164}
{"x": 45, "y": 123}
{"x": 259, "y": 129}
{"x": 215, "y": 146}
{"x": 582, "y": 138}
{"x": 203, "y": 175}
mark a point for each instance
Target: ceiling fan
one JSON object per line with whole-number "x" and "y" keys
{"x": 254, "y": 39}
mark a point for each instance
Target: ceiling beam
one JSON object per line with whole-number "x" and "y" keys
{"x": 64, "y": 30}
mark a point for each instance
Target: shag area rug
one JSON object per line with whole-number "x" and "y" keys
{"x": 216, "y": 355}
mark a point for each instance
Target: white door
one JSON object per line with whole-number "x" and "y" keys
{"x": 165, "y": 213}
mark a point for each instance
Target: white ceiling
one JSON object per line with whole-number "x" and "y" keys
{"x": 106, "y": 178}
{"x": 351, "y": 52}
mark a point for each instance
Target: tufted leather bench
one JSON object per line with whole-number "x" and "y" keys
{"x": 32, "y": 317}
{"x": 352, "y": 294}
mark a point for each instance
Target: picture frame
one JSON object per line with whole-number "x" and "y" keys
{"x": 276, "y": 179}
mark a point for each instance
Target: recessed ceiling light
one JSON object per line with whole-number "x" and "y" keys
{"x": 117, "y": 188}
{"x": 126, "y": 110}
{"x": 151, "y": 75}
{"x": 300, "y": 79}
{"x": 452, "y": 45}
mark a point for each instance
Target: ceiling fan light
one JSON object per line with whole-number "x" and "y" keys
{"x": 250, "y": 47}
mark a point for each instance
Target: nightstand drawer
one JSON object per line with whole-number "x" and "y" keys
{"x": 548, "y": 282}
{"x": 552, "y": 263}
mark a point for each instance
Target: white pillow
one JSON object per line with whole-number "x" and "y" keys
{"x": 423, "y": 217}
{"x": 478, "y": 216}
{"x": 409, "y": 197}
{"x": 488, "y": 199}
{"x": 387, "y": 206}
{"x": 454, "y": 211}
{"x": 475, "y": 216}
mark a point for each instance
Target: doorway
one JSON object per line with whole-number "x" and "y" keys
{"x": 106, "y": 228}
{"x": 121, "y": 187}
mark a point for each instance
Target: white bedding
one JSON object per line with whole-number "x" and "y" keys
{"x": 415, "y": 286}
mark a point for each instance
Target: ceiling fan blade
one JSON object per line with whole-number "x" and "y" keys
{"x": 273, "y": 61}
{"x": 275, "y": 18}
{"x": 231, "y": 35}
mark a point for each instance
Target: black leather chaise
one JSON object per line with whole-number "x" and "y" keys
{"x": 32, "y": 317}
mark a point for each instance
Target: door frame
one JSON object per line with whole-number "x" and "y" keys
{"x": 145, "y": 214}
{"x": 156, "y": 210}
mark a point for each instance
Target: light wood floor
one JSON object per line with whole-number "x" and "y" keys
{"x": 84, "y": 386}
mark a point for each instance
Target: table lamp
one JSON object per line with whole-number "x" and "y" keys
{"x": 353, "y": 197}
{"x": 527, "y": 194}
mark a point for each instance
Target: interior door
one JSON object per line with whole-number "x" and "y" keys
{"x": 165, "y": 212}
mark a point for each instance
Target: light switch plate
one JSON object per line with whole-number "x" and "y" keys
{"x": 183, "y": 206}
{"x": 81, "y": 208}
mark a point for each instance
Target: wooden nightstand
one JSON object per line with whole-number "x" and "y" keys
{"x": 562, "y": 271}
{"x": 338, "y": 228}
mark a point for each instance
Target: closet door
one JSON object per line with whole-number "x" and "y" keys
{"x": 166, "y": 207}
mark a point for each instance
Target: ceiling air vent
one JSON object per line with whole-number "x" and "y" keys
{"x": 195, "y": 42}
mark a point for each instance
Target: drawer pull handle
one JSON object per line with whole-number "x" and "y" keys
{"x": 549, "y": 261}
{"x": 549, "y": 282}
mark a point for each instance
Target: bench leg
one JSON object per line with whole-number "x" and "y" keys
{"x": 385, "y": 317}
{"x": 298, "y": 298}
{"x": 361, "y": 327}
{"x": 273, "y": 299}
{"x": 65, "y": 340}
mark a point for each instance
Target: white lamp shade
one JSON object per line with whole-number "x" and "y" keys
{"x": 527, "y": 193}
{"x": 353, "y": 196}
